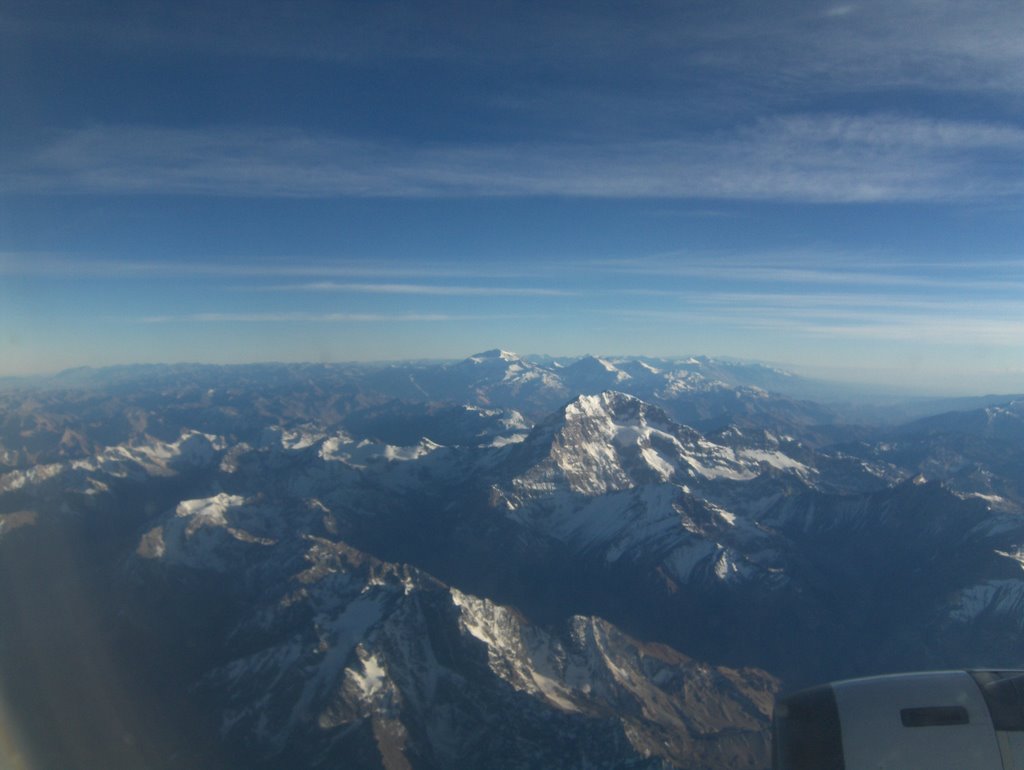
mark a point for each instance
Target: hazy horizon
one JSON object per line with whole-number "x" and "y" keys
{"x": 843, "y": 383}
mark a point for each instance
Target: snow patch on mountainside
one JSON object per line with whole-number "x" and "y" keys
{"x": 359, "y": 454}
{"x": 301, "y": 438}
{"x": 1017, "y": 554}
{"x": 204, "y": 533}
{"x": 208, "y": 511}
{"x": 515, "y": 652}
{"x": 37, "y": 474}
{"x": 493, "y": 355}
{"x": 371, "y": 679}
{"x": 620, "y": 523}
{"x": 154, "y": 458}
{"x": 340, "y": 634}
{"x": 134, "y": 462}
{"x": 776, "y": 459}
{"x": 686, "y": 558}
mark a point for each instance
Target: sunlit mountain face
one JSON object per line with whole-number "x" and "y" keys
{"x": 499, "y": 561}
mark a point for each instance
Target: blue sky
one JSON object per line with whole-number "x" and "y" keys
{"x": 836, "y": 187}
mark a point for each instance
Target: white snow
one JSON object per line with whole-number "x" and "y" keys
{"x": 493, "y": 355}
{"x": 371, "y": 679}
{"x": 996, "y": 499}
{"x": 587, "y": 406}
{"x": 344, "y": 631}
{"x": 720, "y": 470}
{"x": 209, "y": 511}
{"x": 515, "y": 438}
{"x": 683, "y": 561}
{"x": 149, "y": 458}
{"x": 526, "y": 663}
{"x": 34, "y": 475}
{"x": 1017, "y": 554}
{"x": 730, "y": 518}
{"x": 776, "y": 460}
{"x": 724, "y": 566}
{"x": 657, "y": 463}
{"x": 359, "y": 454}
{"x": 300, "y": 439}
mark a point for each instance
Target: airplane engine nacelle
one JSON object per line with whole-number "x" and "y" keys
{"x": 946, "y": 720}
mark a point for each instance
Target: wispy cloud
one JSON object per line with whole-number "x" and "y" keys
{"x": 947, "y": 306}
{"x": 839, "y": 10}
{"x": 312, "y": 318}
{"x": 415, "y": 289}
{"x": 951, "y": 304}
{"x": 833, "y": 305}
{"x": 937, "y": 329}
{"x": 993, "y": 276}
{"x": 810, "y": 158}
{"x": 283, "y": 266}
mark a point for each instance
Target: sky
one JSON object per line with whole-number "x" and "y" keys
{"x": 833, "y": 187}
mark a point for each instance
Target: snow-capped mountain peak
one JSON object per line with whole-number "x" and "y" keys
{"x": 496, "y": 354}
{"x": 590, "y": 373}
{"x": 613, "y": 441}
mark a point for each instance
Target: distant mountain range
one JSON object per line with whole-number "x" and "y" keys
{"x": 502, "y": 561}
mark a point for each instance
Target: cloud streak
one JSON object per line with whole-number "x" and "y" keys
{"x": 965, "y": 279}
{"x": 834, "y": 304}
{"x": 419, "y": 289}
{"x": 805, "y": 158}
{"x": 285, "y": 266}
{"x": 936, "y": 329}
{"x": 313, "y": 318}
{"x": 836, "y": 275}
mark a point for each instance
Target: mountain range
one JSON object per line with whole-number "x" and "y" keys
{"x": 504, "y": 561}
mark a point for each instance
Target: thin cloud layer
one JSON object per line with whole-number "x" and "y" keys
{"x": 968, "y": 276}
{"x": 805, "y": 158}
{"x": 24, "y": 263}
{"x": 936, "y": 329}
{"x": 422, "y": 289}
{"x": 275, "y": 318}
